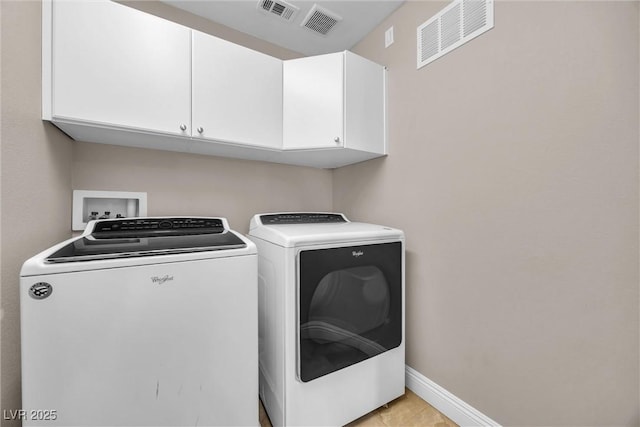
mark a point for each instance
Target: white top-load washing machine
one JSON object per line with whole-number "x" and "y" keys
{"x": 331, "y": 316}
{"x": 142, "y": 322}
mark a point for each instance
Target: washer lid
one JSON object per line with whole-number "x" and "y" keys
{"x": 136, "y": 237}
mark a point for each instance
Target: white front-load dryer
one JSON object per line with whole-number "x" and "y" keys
{"x": 142, "y": 322}
{"x": 331, "y": 316}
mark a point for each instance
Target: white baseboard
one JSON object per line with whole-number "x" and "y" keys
{"x": 450, "y": 405}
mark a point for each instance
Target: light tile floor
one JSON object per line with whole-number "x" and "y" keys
{"x": 407, "y": 410}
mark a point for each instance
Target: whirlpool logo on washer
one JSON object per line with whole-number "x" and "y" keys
{"x": 157, "y": 280}
{"x": 357, "y": 254}
{"x": 40, "y": 290}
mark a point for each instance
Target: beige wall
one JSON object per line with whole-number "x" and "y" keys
{"x": 41, "y": 167}
{"x": 35, "y": 177}
{"x": 187, "y": 184}
{"x": 513, "y": 169}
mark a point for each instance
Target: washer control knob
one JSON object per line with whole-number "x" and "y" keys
{"x": 200, "y": 129}
{"x": 183, "y": 127}
{"x": 337, "y": 139}
{"x": 165, "y": 225}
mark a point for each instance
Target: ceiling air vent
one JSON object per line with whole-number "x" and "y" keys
{"x": 453, "y": 26}
{"x": 320, "y": 20}
{"x": 278, "y": 8}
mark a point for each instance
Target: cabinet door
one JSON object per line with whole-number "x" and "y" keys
{"x": 237, "y": 93}
{"x": 313, "y": 106}
{"x": 116, "y": 65}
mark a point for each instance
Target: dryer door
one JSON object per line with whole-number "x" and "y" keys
{"x": 350, "y": 306}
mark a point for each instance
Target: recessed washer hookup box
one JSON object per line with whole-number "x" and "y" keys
{"x": 89, "y": 205}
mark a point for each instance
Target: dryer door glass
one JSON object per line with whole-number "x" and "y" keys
{"x": 350, "y": 306}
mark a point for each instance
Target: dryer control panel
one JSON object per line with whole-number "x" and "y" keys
{"x": 301, "y": 218}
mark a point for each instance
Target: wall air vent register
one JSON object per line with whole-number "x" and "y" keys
{"x": 453, "y": 26}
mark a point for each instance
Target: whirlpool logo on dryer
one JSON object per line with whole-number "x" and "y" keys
{"x": 357, "y": 254}
{"x": 161, "y": 280}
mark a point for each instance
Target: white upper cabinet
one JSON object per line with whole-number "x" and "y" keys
{"x": 115, "y": 75}
{"x": 237, "y": 93}
{"x": 115, "y": 65}
{"x": 334, "y": 100}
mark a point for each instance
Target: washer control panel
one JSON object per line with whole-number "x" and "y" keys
{"x": 156, "y": 226}
{"x": 301, "y": 218}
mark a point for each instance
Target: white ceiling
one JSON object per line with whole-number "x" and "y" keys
{"x": 359, "y": 17}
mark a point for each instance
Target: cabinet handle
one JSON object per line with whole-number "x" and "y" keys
{"x": 200, "y": 129}
{"x": 336, "y": 139}
{"x": 183, "y": 127}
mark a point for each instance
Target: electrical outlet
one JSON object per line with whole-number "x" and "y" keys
{"x": 388, "y": 37}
